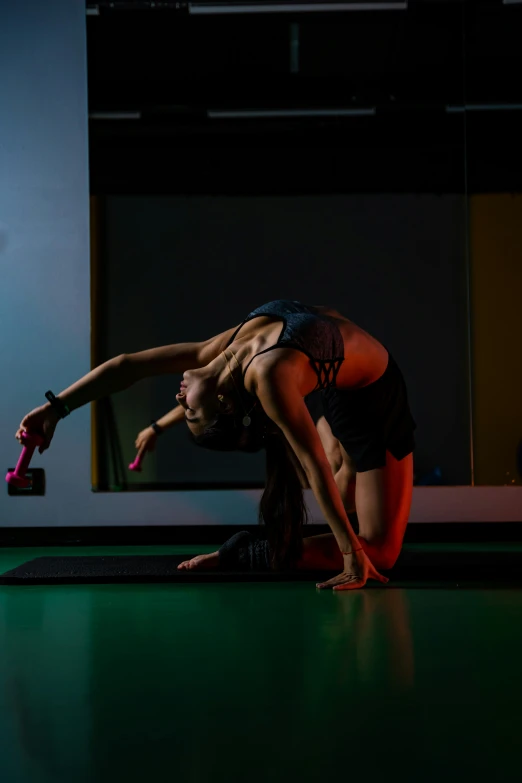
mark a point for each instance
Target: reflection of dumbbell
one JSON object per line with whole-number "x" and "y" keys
{"x": 17, "y": 477}
{"x": 136, "y": 465}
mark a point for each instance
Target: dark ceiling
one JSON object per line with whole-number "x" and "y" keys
{"x": 169, "y": 69}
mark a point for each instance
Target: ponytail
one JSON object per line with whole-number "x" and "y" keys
{"x": 282, "y": 508}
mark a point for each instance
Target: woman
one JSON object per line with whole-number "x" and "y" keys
{"x": 246, "y": 388}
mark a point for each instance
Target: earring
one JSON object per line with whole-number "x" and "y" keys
{"x": 220, "y": 397}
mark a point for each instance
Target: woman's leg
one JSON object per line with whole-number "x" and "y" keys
{"x": 382, "y": 498}
{"x": 346, "y": 485}
{"x": 383, "y": 501}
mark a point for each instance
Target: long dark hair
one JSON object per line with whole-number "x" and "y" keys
{"x": 282, "y": 508}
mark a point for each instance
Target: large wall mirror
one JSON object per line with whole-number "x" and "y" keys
{"x": 332, "y": 158}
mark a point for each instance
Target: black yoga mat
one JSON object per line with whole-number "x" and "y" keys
{"x": 491, "y": 568}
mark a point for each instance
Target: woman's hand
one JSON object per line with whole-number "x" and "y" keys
{"x": 146, "y": 441}
{"x": 42, "y": 421}
{"x": 357, "y": 570}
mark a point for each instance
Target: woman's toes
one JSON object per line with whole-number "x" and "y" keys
{"x": 200, "y": 561}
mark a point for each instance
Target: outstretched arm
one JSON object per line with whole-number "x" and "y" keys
{"x": 149, "y": 434}
{"x": 283, "y": 403}
{"x": 118, "y": 374}
{"x": 175, "y": 416}
{"x": 281, "y": 399}
{"x": 146, "y": 440}
{"x": 123, "y": 371}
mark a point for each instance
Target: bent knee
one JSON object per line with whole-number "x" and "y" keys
{"x": 387, "y": 560}
{"x": 382, "y": 552}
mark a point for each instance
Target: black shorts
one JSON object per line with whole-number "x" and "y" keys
{"x": 369, "y": 421}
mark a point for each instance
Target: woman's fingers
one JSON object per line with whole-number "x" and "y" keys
{"x": 374, "y": 574}
{"x": 351, "y": 585}
{"x": 339, "y": 580}
{"x": 144, "y": 443}
{"x": 352, "y": 581}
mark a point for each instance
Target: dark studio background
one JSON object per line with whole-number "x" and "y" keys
{"x": 200, "y": 218}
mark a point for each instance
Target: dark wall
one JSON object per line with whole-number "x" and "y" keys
{"x": 178, "y": 268}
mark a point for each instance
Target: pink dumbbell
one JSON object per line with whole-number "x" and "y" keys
{"x": 17, "y": 477}
{"x": 136, "y": 465}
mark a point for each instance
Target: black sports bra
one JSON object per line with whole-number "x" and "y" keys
{"x": 305, "y": 329}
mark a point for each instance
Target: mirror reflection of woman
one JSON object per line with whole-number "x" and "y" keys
{"x": 245, "y": 390}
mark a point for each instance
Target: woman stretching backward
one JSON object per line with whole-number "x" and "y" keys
{"x": 245, "y": 390}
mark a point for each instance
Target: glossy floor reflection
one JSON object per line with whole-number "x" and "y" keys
{"x": 257, "y": 682}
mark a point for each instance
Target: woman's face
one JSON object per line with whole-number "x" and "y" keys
{"x": 198, "y": 395}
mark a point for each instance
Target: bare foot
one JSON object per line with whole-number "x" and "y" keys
{"x": 200, "y": 562}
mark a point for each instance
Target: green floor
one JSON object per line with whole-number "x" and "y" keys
{"x": 256, "y": 682}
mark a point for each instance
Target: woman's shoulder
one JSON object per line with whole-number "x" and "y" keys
{"x": 215, "y": 345}
{"x": 281, "y": 365}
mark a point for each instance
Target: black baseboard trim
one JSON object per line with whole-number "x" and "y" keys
{"x": 149, "y": 535}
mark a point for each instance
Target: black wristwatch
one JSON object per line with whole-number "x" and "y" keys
{"x": 156, "y": 427}
{"x": 59, "y": 406}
